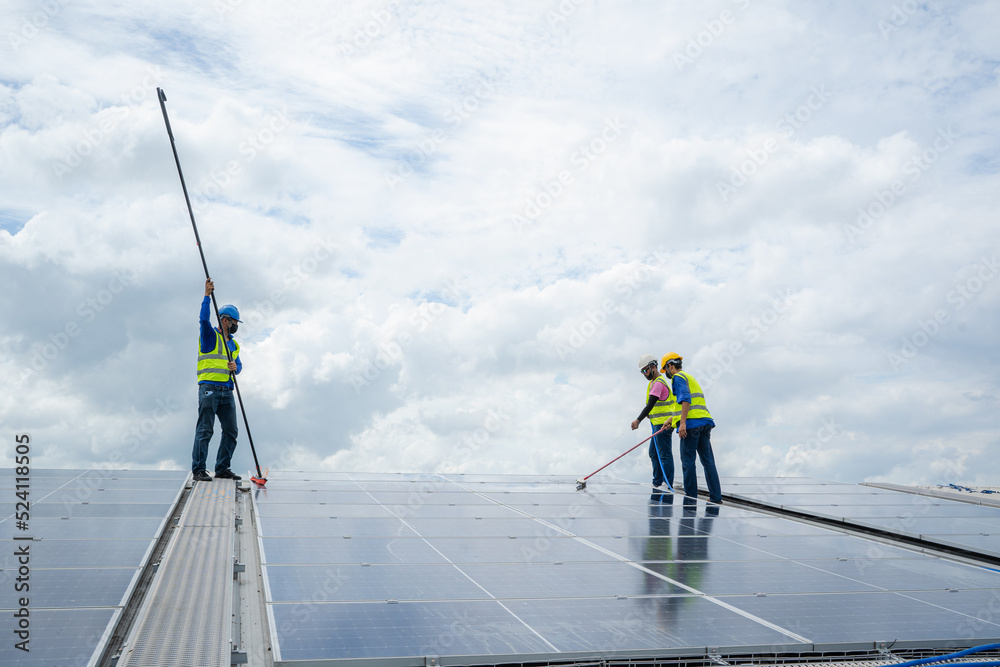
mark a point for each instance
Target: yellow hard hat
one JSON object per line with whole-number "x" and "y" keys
{"x": 668, "y": 356}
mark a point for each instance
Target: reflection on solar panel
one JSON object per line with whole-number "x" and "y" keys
{"x": 483, "y": 569}
{"x": 91, "y": 532}
{"x": 943, "y": 521}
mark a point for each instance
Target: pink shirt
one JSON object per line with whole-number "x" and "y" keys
{"x": 660, "y": 390}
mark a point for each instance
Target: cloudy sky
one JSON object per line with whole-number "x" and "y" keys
{"x": 452, "y": 228}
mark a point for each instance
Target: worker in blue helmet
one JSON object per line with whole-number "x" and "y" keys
{"x": 215, "y": 389}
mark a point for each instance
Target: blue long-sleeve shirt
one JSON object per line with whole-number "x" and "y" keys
{"x": 682, "y": 394}
{"x": 208, "y": 333}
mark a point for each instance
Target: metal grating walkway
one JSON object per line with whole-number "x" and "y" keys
{"x": 186, "y": 619}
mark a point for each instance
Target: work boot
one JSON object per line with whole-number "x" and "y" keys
{"x": 227, "y": 474}
{"x": 202, "y": 476}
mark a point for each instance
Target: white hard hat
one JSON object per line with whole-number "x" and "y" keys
{"x": 646, "y": 360}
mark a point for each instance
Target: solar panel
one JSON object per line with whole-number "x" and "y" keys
{"x": 60, "y": 637}
{"x": 76, "y": 588}
{"x": 935, "y": 509}
{"x": 304, "y": 550}
{"x": 92, "y": 531}
{"x": 365, "y": 583}
{"x": 830, "y": 545}
{"x": 832, "y": 618}
{"x": 912, "y": 574}
{"x": 491, "y": 568}
{"x": 326, "y": 510}
{"x": 379, "y": 629}
{"x": 614, "y": 626}
{"x": 347, "y": 527}
{"x": 506, "y": 550}
{"x": 84, "y": 527}
{"x": 942, "y": 521}
{"x": 157, "y": 510}
{"x": 95, "y": 552}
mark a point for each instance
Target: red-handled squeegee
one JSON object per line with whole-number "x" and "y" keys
{"x": 582, "y": 482}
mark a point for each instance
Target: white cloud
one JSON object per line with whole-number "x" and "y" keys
{"x": 452, "y": 231}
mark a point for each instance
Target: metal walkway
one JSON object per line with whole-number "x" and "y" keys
{"x": 186, "y": 619}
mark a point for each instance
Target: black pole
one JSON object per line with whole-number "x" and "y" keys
{"x": 163, "y": 107}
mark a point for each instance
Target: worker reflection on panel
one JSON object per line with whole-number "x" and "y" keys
{"x": 692, "y": 545}
{"x": 682, "y": 557}
{"x": 659, "y": 545}
{"x": 661, "y": 509}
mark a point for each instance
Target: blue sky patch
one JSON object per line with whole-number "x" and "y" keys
{"x": 13, "y": 220}
{"x": 383, "y": 237}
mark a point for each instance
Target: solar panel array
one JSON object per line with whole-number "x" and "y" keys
{"x": 92, "y": 531}
{"x": 480, "y": 568}
{"x": 952, "y": 523}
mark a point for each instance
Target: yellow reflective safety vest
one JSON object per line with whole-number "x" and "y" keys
{"x": 698, "y": 409}
{"x": 213, "y": 366}
{"x": 663, "y": 410}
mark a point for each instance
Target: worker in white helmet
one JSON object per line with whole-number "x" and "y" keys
{"x": 660, "y": 408}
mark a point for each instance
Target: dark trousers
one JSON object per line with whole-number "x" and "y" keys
{"x": 662, "y": 457}
{"x": 214, "y": 400}
{"x": 698, "y": 443}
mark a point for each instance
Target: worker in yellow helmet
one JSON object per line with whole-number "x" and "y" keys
{"x": 694, "y": 426}
{"x": 660, "y": 409}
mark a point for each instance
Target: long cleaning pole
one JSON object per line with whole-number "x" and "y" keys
{"x": 582, "y": 482}
{"x": 163, "y": 107}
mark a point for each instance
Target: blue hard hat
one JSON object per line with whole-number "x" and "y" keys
{"x": 230, "y": 311}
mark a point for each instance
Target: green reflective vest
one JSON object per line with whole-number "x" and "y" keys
{"x": 698, "y": 409}
{"x": 213, "y": 366}
{"x": 663, "y": 410}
